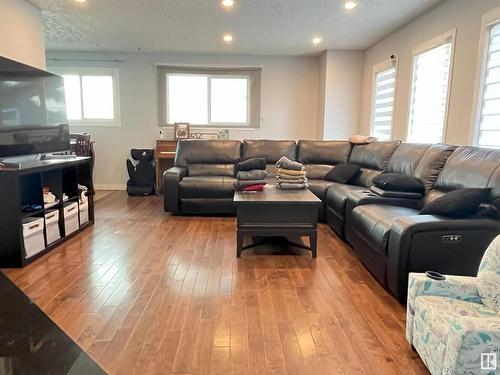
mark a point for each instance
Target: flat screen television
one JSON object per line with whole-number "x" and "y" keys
{"x": 32, "y": 111}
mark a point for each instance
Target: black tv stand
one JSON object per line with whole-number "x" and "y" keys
{"x": 23, "y": 186}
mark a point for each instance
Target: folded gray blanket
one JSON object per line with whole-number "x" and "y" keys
{"x": 240, "y": 184}
{"x": 254, "y": 174}
{"x": 290, "y": 186}
{"x": 286, "y": 163}
{"x": 298, "y": 180}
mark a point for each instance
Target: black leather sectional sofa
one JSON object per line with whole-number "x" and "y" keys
{"x": 388, "y": 234}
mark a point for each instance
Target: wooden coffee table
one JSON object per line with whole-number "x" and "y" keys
{"x": 277, "y": 213}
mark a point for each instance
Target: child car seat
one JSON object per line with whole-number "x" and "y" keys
{"x": 142, "y": 175}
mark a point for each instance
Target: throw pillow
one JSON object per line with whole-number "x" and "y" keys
{"x": 361, "y": 139}
{"x": 343, "y": 173}
{"x": 398, "y": 182}
{"x": 458, "y": 203}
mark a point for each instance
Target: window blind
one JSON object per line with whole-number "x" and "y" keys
{"x": 429, "y": 94}
{"x": 489, "y": 125}
{"x": 383, "y": 103}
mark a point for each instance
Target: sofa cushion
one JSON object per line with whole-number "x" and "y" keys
{"x": 198, "y": 151}
{"x": 336, "y": 196}
{"x": 343, "y": 173}
{"x": 398, "y": 182}
{"x": 406, "y": 158}
{"x": 374, "y": 155}
{"x": 372, "y": 222}
{"x": 468, "y": 167}
{"x": 317, "y": 171}
{"x": 319, "y": 188}
{"x": 198, "y": 169}
{"x": 459, "y": 203}
{"x": 323, "y": 152}
{"x": 271, "y": 150}
{"x": 488, "y": 276}
{"x": 207, "y": 187}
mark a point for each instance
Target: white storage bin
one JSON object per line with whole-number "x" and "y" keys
{"x": 71, "y": 217}
{"x": 33, "y": 236}
{"x": 84, "y": 212}
{"x": 52, "y": 226}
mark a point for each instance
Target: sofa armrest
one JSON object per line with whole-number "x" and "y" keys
{"x": 456, "y": 287}
{"x": 422, "y": 243}
{"x": 362, "y": 197}
{"x": 171, "y": 179}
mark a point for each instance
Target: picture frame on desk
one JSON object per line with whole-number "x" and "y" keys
{"x": 181, "y": 130}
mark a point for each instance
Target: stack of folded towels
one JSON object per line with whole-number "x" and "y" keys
{"x": 291, "y": 174}
{"x": 251, "y": 175}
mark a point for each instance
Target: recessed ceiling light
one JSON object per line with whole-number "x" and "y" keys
{"x": 228, "y": 3}
{"x": 228, "y": 38}
{"x": 80, "y": 1}
{"x": 317, "y": 40}
{"x": 350, "y": 4}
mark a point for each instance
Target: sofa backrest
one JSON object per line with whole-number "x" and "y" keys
{"x": 431, "y": 164}
{"x": 406, "y": 158}
{"x": 271, "y": 150}
{"x": 319, "y": 157}
{"x": 494, "y": 184}
{"x": 468, "y": 167}
{"x": 372, "y": 158}
{"x": 208, "y": 157}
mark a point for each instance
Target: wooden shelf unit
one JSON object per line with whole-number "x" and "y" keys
{"x": 24, "y": 186}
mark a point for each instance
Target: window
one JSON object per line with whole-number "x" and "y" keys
{"x": 489, "y": 105}
{"x": 206, "y": 99}
{"x": 214, "y": 97}
{"x": 429, "y": 91}
{"x": 384, "y": 89}
{"x": 91, "y": 96}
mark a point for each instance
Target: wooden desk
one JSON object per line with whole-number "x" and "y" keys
{"x": 164, "y": 159}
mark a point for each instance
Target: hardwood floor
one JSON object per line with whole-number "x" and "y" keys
{"x": 147, "y": 293}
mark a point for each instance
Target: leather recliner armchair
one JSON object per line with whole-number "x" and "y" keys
{"x": 373, "y": 159}
{"x": 201, "y": 181}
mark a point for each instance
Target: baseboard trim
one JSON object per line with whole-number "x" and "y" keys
{"x": 109, "y": 187}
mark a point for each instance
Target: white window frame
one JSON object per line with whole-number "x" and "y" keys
{"x": 209, "y": 99}
{"x": 114, "y": 72}
{"x": 380, "y": 67}
{"x": 446, "y": 37}
{"x": 490, "y": 19}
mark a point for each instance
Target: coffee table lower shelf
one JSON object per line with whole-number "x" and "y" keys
{"x": 312, "y": 234}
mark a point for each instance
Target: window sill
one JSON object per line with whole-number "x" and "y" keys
{"x": 216, "y": 127}
{"x": 94, "y": 124}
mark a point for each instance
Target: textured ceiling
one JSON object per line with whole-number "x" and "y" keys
{"x": 281, "y": 27}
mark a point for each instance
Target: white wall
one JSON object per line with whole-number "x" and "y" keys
{"x": 465, "y": 16}
{"x": 21, "y": 32}
{"x": 289, "y": 102}
{"x": 341, "y": 81}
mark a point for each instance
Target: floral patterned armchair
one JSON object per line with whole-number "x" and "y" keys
{"x": 450, "y": 323}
